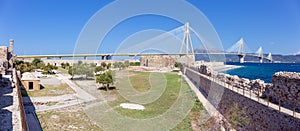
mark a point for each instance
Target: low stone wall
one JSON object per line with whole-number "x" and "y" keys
{"x": 24, "y": 123}
{"x": 260, "y": 116}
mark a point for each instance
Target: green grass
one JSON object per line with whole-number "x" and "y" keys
{"x": 76, "y": 119}
{"x": 193, "y": 115}
{"x": 50, "y": 90}
{"x": 140, "y": 81}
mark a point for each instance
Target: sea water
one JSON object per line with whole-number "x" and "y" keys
{"x": 263, "y": 71}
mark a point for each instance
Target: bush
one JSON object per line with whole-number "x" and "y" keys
{"x": 178, "y": 64}
{"x": 135, "y": 63}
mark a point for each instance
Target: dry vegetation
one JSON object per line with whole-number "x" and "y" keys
{"x": 72, "y": 118}
{"x": 50, "y": 90}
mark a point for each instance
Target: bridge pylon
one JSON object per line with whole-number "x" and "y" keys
{"x": 269, "y": 58}
{"x": 242, "y": 58}
{"x": 260, "y": 54}
{"x": 241, "y": 51}
{"x": 186, "y": 45}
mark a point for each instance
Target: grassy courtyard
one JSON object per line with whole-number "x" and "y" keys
{"x": 98, "y": 116}
{"x": 140, "y": 82}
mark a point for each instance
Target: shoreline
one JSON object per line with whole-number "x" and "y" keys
{"x": 225, "y": 67}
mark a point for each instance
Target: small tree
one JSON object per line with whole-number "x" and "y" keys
{"x": 103, "y": 64}
{"x": 48, "y": 69}
{"x": 178, "y": 64}
{"x": 88, "y": 70}
{"x": 82, "y": 69}
{"x": 99, "y": 68}
{"x": 108, "y": 66}
{"x": 119, "y": 65}
{"x": 36, "y": 61}
{"x": 116, "y": 65}
{"x": 105, "y": 79}
{"x": 63, "y": 65}
{"x": 40, "y": 65}
{"x": 126, "y": 63}
{"x": 23, "y": 66}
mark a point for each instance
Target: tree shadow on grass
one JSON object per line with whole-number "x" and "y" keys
{"x": 82, "y": 78}
{"x": 109, "y": 88}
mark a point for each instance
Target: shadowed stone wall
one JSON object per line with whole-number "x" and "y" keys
{"x": 260, "y": 116}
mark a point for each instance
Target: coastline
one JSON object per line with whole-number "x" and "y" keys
{"x": 225, "y": 67}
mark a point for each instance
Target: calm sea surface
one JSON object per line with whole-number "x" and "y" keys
{"x": 263, "y": 71}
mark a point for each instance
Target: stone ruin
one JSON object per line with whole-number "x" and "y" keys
{"x": 286, "y": 88}
{"x": 6, "y": 57}
{"x": 158, "y": 61}
{"x": 166, "y": 61}
{"x": 257, "y": 86}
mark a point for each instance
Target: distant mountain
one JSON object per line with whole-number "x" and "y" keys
{"x": 202, "y": 49}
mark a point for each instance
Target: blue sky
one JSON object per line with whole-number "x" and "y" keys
{"x": 53, "y": 26}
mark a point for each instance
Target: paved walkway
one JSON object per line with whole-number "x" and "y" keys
{"x": 10, "y": 118}
{"x": 79, "y": 92}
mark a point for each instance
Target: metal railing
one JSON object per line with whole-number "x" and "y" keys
{"x": 248, "y": 93}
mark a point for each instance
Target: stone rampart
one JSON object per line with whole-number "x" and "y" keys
{"x": 260, "y": 116}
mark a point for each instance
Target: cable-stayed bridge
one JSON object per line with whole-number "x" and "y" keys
{"x": 240, "y": 49}
{"x": 183, "y": 46}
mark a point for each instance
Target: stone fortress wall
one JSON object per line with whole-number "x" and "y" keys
{"x": 6, "y": 57}
{"x": 261, "y": 117}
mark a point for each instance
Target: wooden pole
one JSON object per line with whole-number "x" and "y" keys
{"x": 279, "y": 105}
{"x": 268, "y": 101}
{"x": 250, "y": 92}
{"x": 258, "y": 95}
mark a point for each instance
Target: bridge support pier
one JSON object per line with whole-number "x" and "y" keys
{"x": 242, "y": 58}
{"x": 85, "y": 58}
{"x": 270, "y": 61}
{"x": 104, "y": 57}
{"x": 260, "y": 59}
